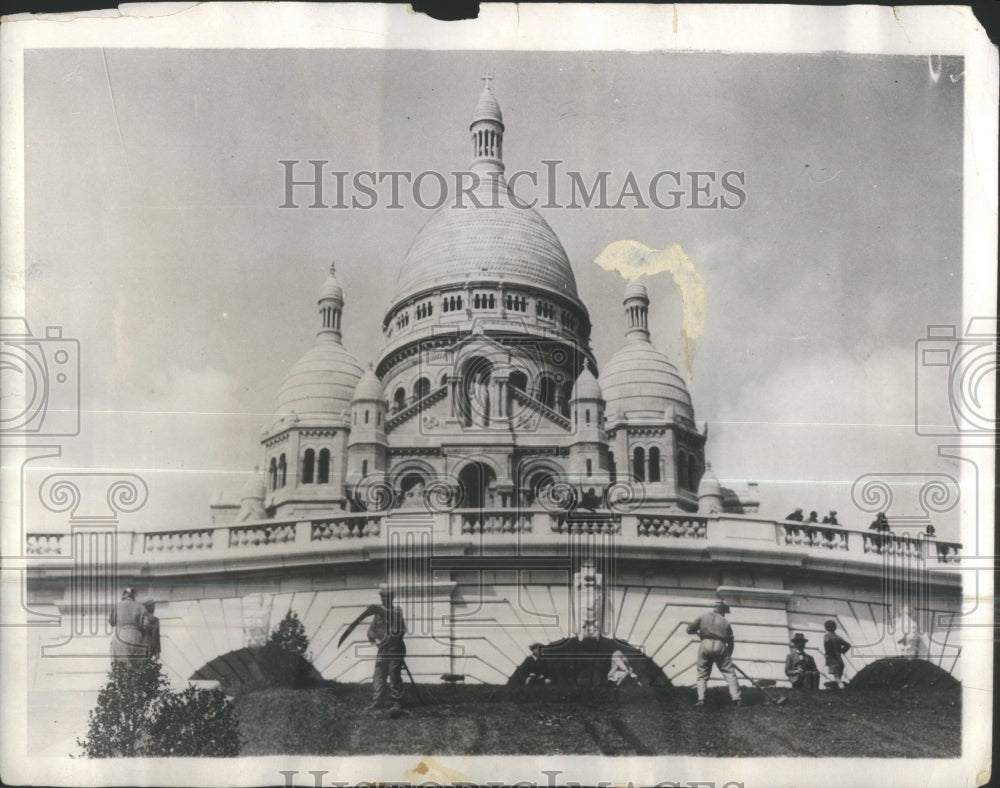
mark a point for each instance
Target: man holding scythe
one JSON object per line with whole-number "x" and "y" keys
{"x": 386, "y": 631}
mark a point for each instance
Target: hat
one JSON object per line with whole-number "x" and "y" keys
{"x": 387, "y": 593}
{"x": 830, "y": 625}
{"x": 799, "y": 638}
{"x": 721, "y": 606}
{"x": 148, "y": 602}
{"x": 833, "y": 511}
{"x": 128, "y": 593}
{"x": 533, "y": 646}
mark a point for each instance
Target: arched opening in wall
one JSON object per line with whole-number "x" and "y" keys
{"x": 259, "y": 667}
{"x": 477, "y": 374}
{"x": 612, "y": 467}
{"x": 694, "y": 471}
{"x": 282, "y": 471}
{"x": 399, "y": 399}
{"x": 682, "y": 469}
{"x": 476, "y": 479}
{"x": 896, "y": 673}
{"x": 535, "y": 487}
{"x": 547, "y": 392}
{"x": 272, "y": 473}
{"x": 308, "y": 466}
{"x": 421, "y": 388}
{"x": 654, "y": 464}
{"x": 364, "y": 468}
{"x": 516, "y": 380}
{"x": 565, "y": 395}
{"x": 572, "y": 662}
{"x": 411, "y": 491}
{"x": 639, "y": 463}
{"x": 323, "y": 469}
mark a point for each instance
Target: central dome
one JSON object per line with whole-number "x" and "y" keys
{"x": 494, "y": 241}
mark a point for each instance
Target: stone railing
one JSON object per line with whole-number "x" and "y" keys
{"x": 47, "y": 544}
{"x": 345, "y": 528}
{"x": 538, "y": 527}
{"x": 493, "y": 521}
{"x": 540, "y": 407}
{"x": 577, "y": 523}
{"x": 408, "y": 412}
{"x": 809, "y": 535}
{"x": 261, "y": 534}
{"x": 677, "y": 526}
{"x": 167, "y": 541}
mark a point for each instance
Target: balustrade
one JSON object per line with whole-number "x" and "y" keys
{"x": 501, "y": 521}
{"x": 831, "y": 538}
{"x": 45, "y": 544}
{"x": 586, "y": 524}
{"x": 345, "y": 528}
{"x": 263, "y": 534}
{"x": 680, "y": 526}
{"x": 167, "y": 541}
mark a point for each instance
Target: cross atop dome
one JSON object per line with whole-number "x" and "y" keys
{"x": 486, "y": 77}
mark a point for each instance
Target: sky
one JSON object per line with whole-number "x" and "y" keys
{"x": 154, "y": 237}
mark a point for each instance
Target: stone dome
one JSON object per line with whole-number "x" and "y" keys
{"x": 710, "y": 486}
{"x": 640, "y": 379}
{"x": 497, "y": 240}
{"x": 331, "y": 288}
{"x": 321, "y": 384}
{"x": 586, "y": 386}
{"x": 254, "y": 488}
{"x": 487, "y": 108}
{"x": 368, "y": 388}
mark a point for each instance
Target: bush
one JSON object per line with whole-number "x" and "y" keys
{"x": 283, "y": 659}
{"x": 194, "y": 722}
{"x": 117, "y": 725}
{"x": 137, "y": 715}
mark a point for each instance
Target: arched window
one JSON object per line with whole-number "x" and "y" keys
{"x": 421, "y": 388}
{"x": 364, "y": 467}
{"x": 587, "y": 415}
{"x": 323, "y": 470}
{"x": 654, "y": 464}
{"x": 612, "y": 468}
{"x": 590, "y": 468}
{"x": 273, "y": 473}
{"x": 682, "y": 468}
{"x": 547, "y": 392}
{"x": 399, "y": 398}
{"x": 366, "y": 415}
{"x": 693, "y": 473}
{"x": 459, "y": 303}
{"x": 492, "y": 301}
{"x": 639, "y": 463}
{"x": 308, "y": 464}
{"x": 282, "y": 471}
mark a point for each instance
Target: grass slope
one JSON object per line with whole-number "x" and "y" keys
{"x": 484, "y": 720}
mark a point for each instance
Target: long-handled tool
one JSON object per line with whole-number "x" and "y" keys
{"x": 776, "y": 701}
{"x": 416, "y": 690}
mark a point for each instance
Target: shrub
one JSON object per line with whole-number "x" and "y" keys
{"x": 117, "y": 725}
{"x": 283, "y": 659}
{"x": 194, "y": 722}
{"x": 137, "y": 715}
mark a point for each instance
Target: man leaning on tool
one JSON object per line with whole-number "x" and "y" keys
{"x": 716, "y": 648}
{"x": 386, "y": 631}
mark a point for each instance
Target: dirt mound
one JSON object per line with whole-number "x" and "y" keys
{"x": 585, "y": 663}
{"x": 902, "y": 673}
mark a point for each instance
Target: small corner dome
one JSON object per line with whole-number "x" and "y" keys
{"x": 587, "y": 386}
{"x": 254, "y": 487}
{"x": 320, "y": 385}
{"x": 640, "y": 379}
{"x": 487, "y": 108}
{"x": 331, "y": 288}
{"x": 636, "y": 290}
{"x": 369, "y": 387}
{"x": 709, "y": 486}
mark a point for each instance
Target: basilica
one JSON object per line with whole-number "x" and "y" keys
{"x": 486, "y": 394}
